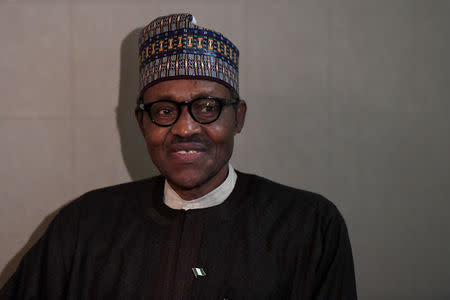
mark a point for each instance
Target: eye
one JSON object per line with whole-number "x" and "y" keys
{"x": 164, "y": 110}
{"x": 206, "y": 106}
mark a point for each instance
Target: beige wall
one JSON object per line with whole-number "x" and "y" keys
{"x": 348, "y": 98}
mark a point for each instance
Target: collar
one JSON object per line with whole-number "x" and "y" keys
{"x": 213, "y": 198}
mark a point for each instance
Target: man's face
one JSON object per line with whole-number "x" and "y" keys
{"x": 192, "y": 156}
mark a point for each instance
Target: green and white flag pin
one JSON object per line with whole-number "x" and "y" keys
{"x": 198, "y": 272}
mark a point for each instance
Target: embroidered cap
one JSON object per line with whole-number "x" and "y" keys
{"x": 175, "y": 47}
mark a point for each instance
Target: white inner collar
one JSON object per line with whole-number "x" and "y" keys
{"x": 213, "y": 198}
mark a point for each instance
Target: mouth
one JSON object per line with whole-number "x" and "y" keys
{"x": 187, "y": 156}
{"x": 187, "y": 152}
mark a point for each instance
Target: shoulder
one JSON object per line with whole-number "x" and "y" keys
{"x": 122, "y": 190}
{"x": 272, "y": 196}
{"x": 110, "y": 200}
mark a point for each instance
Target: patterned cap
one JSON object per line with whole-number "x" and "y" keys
{"x": 175, "y": 47}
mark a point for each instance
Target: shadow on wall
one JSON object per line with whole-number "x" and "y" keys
{"x": 134, "y": 151}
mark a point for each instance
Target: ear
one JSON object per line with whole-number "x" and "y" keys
{"x": 240, "y": 116}
{"x": 140, "y": 119}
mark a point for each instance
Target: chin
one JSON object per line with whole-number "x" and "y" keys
{"x": 187, "y": 179}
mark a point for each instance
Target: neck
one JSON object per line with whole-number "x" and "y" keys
{"x": 213, "y": 198}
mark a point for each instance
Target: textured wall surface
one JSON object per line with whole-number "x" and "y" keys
{"x": 347, "y": 98}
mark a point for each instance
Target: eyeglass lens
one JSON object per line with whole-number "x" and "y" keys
{"x": 202, "y": 110}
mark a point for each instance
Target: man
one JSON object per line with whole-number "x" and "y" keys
{"x": 201, "y": 230}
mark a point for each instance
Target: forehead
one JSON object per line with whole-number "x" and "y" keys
{"x": 185, "y": 89}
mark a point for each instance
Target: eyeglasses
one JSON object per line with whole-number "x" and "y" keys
{"x": 203, "y": 110}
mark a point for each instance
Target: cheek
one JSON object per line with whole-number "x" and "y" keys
{"x": 223, "y": 138}
{"x": 154, "y": 138}
{"x": 224, "y": 131}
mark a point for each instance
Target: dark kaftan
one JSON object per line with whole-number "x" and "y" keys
{"x": 266, "y": 241}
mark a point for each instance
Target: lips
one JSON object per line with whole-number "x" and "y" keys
{"x": 186, "y": 147}
{"x": 184, "y": 152}
{"x": 187, "y": 151}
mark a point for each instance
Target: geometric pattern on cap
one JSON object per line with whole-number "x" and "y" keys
{"x": 174, "y": 47}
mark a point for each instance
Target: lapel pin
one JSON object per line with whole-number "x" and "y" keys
{"x": 198, "y": 272}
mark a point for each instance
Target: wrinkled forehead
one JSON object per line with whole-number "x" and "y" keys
{"x": 185, "y": 90}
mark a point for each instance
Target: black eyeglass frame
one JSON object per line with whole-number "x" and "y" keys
{"x": 222, "y": 102}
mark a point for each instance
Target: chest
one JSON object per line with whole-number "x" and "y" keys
{"x": 238, "y": 258}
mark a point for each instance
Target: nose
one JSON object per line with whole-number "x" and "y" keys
{"x": 185, "y": 125}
